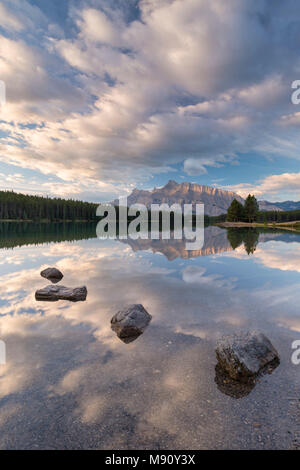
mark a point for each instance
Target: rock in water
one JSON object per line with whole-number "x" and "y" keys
{"x": 52, "y": 274}
{"x": 54, "y": 293}
{"x": 245, "y": 355}
{"x": 233, "y": 388}
{"x": 130, "y": 322}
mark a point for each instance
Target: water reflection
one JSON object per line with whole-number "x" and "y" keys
{"x": 216, "y": 241}
{"x": 231, "y": 387}
{"x": 236, "y": 389}
{"x": 127, "y": 339}
{"x": 14, "y": 234}
{"x": 70, "y": 383}
{"x": 248, "y": 236}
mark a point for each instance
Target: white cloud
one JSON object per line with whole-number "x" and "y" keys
{"x": 192, "y": 166}
{"x": 19, "y": 15}
{"x": 95, "y": 26}
{"x": 8, "y": 20}
{"x": 271, "y": 187}
{"x": 191, "y": 81}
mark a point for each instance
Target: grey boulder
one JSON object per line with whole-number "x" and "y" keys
{"x": 244, "y": 355}
{"x": 53, "y": 293}
{"x": 52, "y": 274}
{"x": 130, "y": 322}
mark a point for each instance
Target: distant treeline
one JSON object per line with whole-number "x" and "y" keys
{"x": 15, "y": 206}
{"x": 278, "y": 216}
{"x": 22, "y": 207}
{"x": 262, "y": 217}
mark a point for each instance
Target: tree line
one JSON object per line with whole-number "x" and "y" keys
{"x": 249, "y": 212}
{"x": 16, "y": 206}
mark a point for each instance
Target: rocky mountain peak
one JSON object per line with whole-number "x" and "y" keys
{"x": 216, "y": 201}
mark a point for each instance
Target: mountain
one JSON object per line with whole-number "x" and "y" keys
{"x": 279, "y": 206}
{"x": 287, "y": 205}
{"x": 269, "y": 206}
{"x": 216, "y": 201}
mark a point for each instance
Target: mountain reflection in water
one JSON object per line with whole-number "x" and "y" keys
{"x": 70, "y": 383}
{"x": 216, "y": 240}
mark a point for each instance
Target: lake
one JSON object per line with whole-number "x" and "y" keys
{"x": 70, "y": 383}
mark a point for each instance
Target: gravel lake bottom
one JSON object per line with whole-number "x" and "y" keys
{"x": 70, "y": 382}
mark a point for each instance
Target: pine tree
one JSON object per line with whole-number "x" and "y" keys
{"x": 235, "y": 212}
{"x": 251, "y": 208}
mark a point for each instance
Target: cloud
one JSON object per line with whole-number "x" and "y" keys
{"x": 271, "y": 253}
{"x": 192, "y": 166}
{"x": 8, "y": 20}
{"x": 20, "y": 15}
{"x": 286, "y": 184}
{"x": 195, "y": 275}
{"x": 196, "y": 83}
{"x": 89, "y": 189}
{"x": 95, "y": 26}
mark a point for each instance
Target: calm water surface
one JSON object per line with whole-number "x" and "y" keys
{"x": 70, "y": 382}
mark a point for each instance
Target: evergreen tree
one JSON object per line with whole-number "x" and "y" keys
{"x": 251, "y": 208}
{"x": 15, "y": 206}
{"x": 235, "y": 212}
{"x": 265, "y": 219}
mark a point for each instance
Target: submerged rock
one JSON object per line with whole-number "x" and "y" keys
{"x": 238, "y": 388}
{"x": 128, "y": 339}
{"x": 52, "y": 274}
{"x": 54, "y": 293}
{"x": 232, "y": 388}
{"x": 245, "y": 355}
{"x": 130, "y": 322}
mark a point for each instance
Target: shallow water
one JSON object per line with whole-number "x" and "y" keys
{"x": 70, "y": 382}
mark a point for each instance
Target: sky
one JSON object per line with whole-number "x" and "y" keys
{"x": 103, "y": 97}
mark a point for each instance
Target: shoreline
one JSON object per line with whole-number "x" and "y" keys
{"x": 293, "y": 226}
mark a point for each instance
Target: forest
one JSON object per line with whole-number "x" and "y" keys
{"x": 16, "y": 206}
{"x": 261, "y": 217}
{"x": 249, "y": 212}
